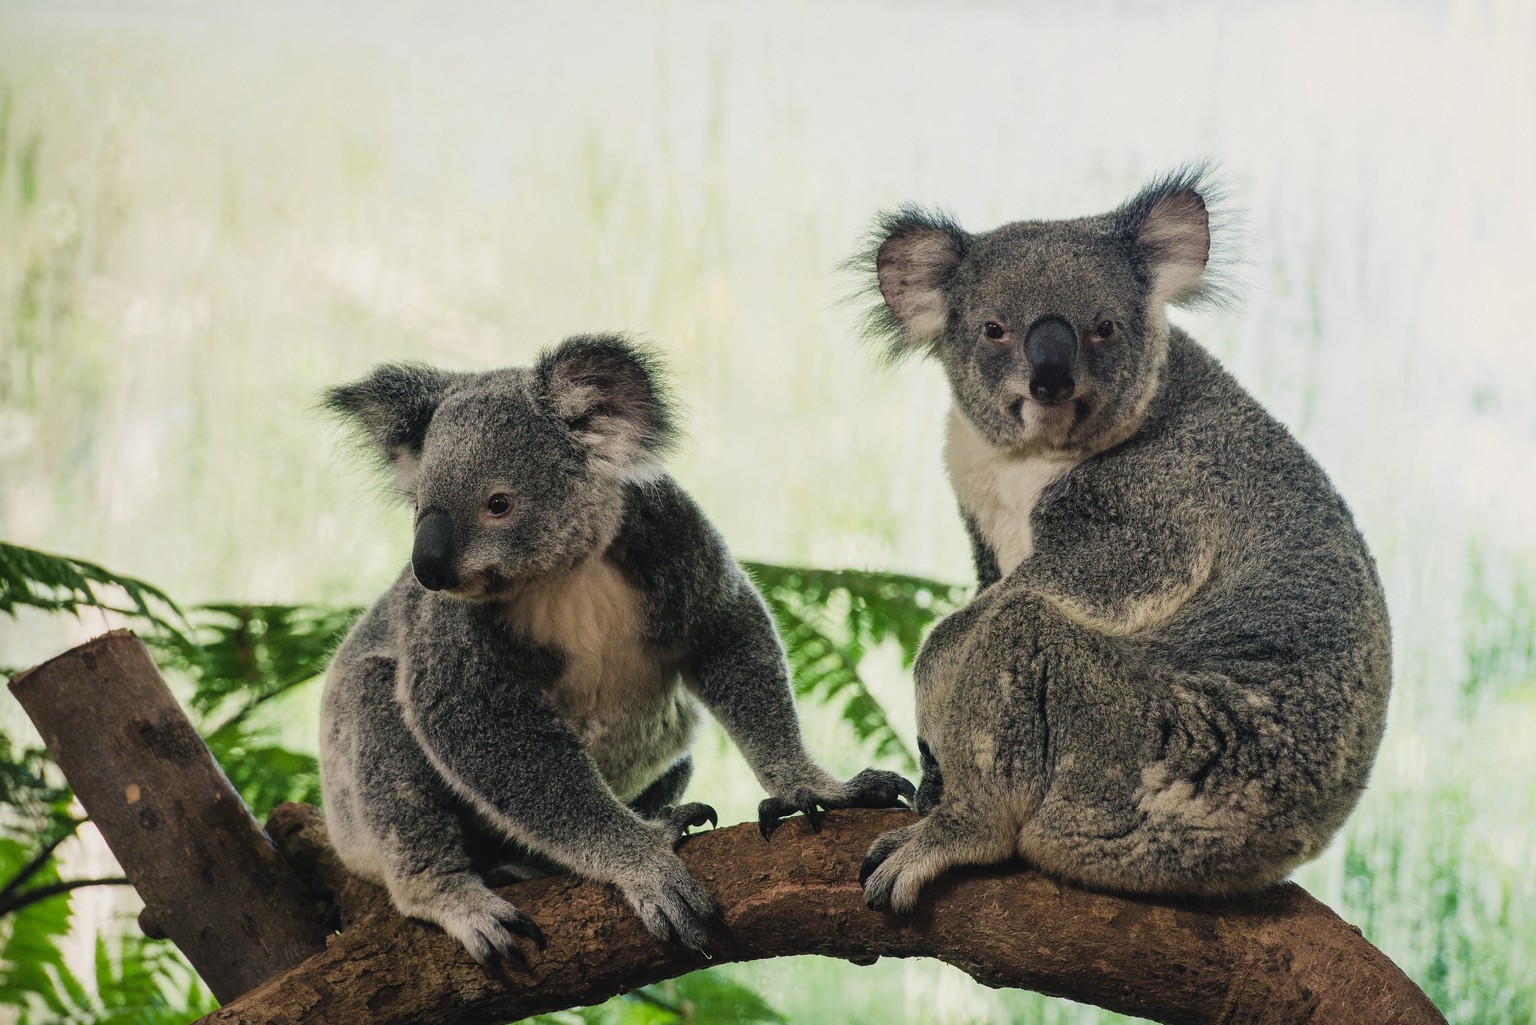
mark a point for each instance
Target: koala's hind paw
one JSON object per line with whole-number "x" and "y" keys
{"x": 487, "y": 930}
{"x": 671, "y": 903}
{"x": 676, "y": 822}
{"x": 894, "y": 872}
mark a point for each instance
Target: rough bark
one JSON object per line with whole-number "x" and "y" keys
{"x": 1275, "y": 957}
{"x": 211, "y": 879}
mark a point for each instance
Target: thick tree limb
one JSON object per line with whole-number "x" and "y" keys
{"x": 1275, "y": 957}
{"x": 211, "y": 879}
{"x": 213, "y": 882}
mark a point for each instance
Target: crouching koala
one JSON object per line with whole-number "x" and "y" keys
{"x": 512, "y": 705}
{"x": 1173, "y": 678}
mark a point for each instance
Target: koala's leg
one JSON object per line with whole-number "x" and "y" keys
{"x": 420, "y": 847}
{"x": 994, "y": 681}
{"x": 1194, "y": 789}
{"x": 981, "y": 716}
{"x": 665, "y": 791}
{"x": 1094, "y": 758}
{"x": 931, "y": 789}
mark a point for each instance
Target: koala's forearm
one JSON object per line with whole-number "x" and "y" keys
{"x": 526, "y": 771}
{"x": 739, "y": 672}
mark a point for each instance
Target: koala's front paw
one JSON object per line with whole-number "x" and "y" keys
{"x": 674, "y": 823}
{"x": 486, "y": 925}
{"x": 671, "y": 903}
{"x": 872, "y": 788}
{"x": 877, "y": 788}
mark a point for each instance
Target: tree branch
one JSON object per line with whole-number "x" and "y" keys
{"x": 211, "y": 880}
{"x": 39, "y": 860}
{"x": 214, "y": 882}
{"x": 17, "y": 901}
{"x": 1274, "y": 957}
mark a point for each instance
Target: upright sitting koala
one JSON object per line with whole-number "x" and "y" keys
{"x": 513, "y": 705}
{"x": 1174, "y": 676}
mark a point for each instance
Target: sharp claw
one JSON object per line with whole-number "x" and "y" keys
{"x": 769, "y": 812}
{"x": 522, "y": 925}
{"x": 813, "y": 816}
{"x": 867, "y": 869}
{"x": 499, "y": 951}
{"x": 698, "y": 814}
{"x": 905, "y": 788}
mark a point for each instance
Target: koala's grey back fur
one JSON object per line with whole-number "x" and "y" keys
{"x": 522, "y": 699}
{"x": 1174, "y": 676}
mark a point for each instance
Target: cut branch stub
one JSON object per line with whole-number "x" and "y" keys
{"x": 1275, "y": 957}
{"x": 211, "y": 879}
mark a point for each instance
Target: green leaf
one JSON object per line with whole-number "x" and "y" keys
{"x": 30, "y": 961}
{"x": 60, "y": 583}
{"x": 242, "y": 656}
{"x": 264, "y": 775}
{"x": 713, "y": 996}
{"x": 829, "y": 620}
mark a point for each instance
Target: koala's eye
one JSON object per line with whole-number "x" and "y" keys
{"x": 1103, "y": 331}
{"x": 499, "y": 505}
{"x": 994, "y": 331}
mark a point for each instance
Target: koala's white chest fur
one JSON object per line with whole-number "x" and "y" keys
{"x": 620, "y": 693}
{"x": 999, "y": 488}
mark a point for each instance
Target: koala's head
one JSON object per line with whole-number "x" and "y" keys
{"x": 520, "y": 472}
{"x": 1053, "y": 333}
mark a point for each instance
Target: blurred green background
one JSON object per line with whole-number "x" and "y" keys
{"x": 211, "y": 211}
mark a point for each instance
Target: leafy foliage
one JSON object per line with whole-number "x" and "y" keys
{"x": 29, "y": 790}
{"x": 831, "y": 618}
{"x": 59, "y": 583}
{"x": 240, "y": 658}
{"x": 705, "y": 996}
{"x": 136, "y": 982}
{"x": 243, "y": 656}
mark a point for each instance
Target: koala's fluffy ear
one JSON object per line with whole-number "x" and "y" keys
{"x": 393, "y": 406}
{"x": 1168, "y": 225}
{"x": 612, "y": 396}
{"x": 915, "y": 253}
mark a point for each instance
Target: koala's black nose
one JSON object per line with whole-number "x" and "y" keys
{"x": 432, "y": 555}
{"x": 1051, "y": 347}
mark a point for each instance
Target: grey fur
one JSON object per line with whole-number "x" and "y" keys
{"x": 522, "y": 711}
{"x": 1174, "y": 676}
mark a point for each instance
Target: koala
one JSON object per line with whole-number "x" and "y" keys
{"x": 521, "y": 701}
{"x": 1173, "y": 676}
